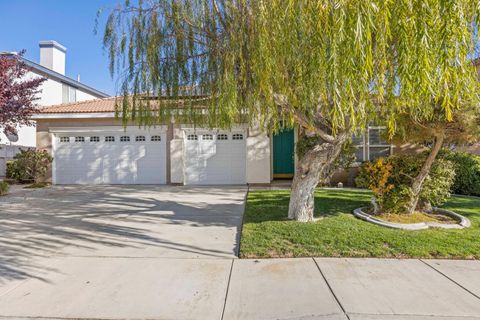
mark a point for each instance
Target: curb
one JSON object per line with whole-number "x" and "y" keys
{"x": 462, "y": 224}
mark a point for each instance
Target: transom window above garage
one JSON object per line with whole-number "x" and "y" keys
{"x": 95, "y": 139}
{"x": 64, "y": 139}
{"x": 192, "y": 137}
{"x": 222, "y": 136}
{"x": 109, "y": 139}
{"x": 79, "y": 139}
{"x": 124, "y": 139}
{"x": 237, "y": 136}
{"x": 156, "y": 138}
{"x": 207, "y": 137}
{"x": 139, "y": 138}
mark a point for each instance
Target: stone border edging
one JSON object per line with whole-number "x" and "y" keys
{"x": 463, "y": 222}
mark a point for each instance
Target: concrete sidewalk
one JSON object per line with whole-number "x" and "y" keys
{"x": 305, "y": 288}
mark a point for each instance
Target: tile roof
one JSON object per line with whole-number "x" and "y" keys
{"x": 102, "y": 105}
{"x": 89, "y": 106}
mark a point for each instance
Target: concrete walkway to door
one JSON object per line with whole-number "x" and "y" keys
{"x": 169, "y": 253}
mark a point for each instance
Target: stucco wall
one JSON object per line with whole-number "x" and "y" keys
{"x": 83, "y": 96}
{"x": 258, "y": 157}
{"x": 176, "y": 157}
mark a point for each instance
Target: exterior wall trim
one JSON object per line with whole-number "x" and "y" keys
{"x": 86, "y": 115}
{"x": 162, "y": 128}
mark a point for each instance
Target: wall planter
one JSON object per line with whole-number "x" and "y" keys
{"x": 461, "y": 224}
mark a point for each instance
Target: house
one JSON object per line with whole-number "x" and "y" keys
{"x": 90, "y": 146}
{"x": 57, "y": 89}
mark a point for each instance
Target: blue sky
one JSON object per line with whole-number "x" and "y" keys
{"x": 26, "y": 22}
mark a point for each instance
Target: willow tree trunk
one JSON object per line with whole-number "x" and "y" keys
{"x": 311, "y": 168}
{"x": 418, "y": 181}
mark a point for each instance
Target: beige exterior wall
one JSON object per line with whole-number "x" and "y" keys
{"x": 258, "y": 157}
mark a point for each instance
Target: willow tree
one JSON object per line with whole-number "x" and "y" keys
{"x": 316, "y": 65}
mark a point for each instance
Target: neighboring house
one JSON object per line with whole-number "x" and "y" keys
{"x": 57, "y": 89}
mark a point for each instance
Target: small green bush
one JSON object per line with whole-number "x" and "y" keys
{"x": 28, "y": 166}
{"x": 390, "y": 180}
{"x": 467, "y": 172}
{"x": 4, "y": 187}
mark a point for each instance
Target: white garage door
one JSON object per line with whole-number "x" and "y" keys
{"x": 110, "y": 158}
{"x": 215, "y": 158}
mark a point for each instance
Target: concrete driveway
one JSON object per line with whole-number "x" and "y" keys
{"x": 117, "y": 221}
{"x": 123, "y": 221}
{"x": 169, "y": 253}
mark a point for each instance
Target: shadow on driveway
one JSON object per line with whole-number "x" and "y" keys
{"x": 117, "y": 221}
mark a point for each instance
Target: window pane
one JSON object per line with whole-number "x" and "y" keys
{"x": 207, "y": 137}
{"x": 192, "y": 137}
{"x": 237, "y": 136}
{"x": 359, "y": 154}
{"x": 378, "y": 152}
{"x": 140, "y": 138}
{"x": 357, "y": 139}
{"x": 376, "y": 137}
{"x": 222, "y": 136}
{"x": 79, "y": 139}
{"x": 72, "y": 94}
{"x": 65, "y": 93}
{"x": 156, "y": 138}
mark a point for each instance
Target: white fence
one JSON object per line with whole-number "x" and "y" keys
{"x": 7, "y": 153}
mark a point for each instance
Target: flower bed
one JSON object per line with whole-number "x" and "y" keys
{"x": 462, "y": 222}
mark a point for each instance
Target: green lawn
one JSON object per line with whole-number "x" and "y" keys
{"x": 268, "y": 233}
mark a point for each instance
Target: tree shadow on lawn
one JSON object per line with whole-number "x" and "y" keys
{"x": 273, "y": 205}
{"x": 467, "y": 206}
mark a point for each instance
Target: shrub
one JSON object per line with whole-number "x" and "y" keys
{"x": 4, "y": 187}
{"x": 29, "y": 166}
{"x": 467, "y": 172}
{"x": 390, "y": 180}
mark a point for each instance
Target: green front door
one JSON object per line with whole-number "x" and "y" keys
{"x": 283, "y": 154}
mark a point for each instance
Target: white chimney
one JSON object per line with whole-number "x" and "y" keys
{"x": 52, "y": 56}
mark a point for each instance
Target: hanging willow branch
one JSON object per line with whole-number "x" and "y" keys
{"x": 329, "y": 59}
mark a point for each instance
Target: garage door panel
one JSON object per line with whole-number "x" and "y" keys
{"x": 148, "y": 156}
{"x": 111, "y": 162}
{"x": 213, "y": 161}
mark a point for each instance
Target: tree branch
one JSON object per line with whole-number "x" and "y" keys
{"x": 282, "y": 102}
{"x": 220, "y": 17}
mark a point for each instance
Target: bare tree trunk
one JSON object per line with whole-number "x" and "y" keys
{"x": 314, "y": 166}
{"x": 418, "y": 181}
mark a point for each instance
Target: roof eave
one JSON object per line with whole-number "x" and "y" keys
{"x": 73, "y": 115}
